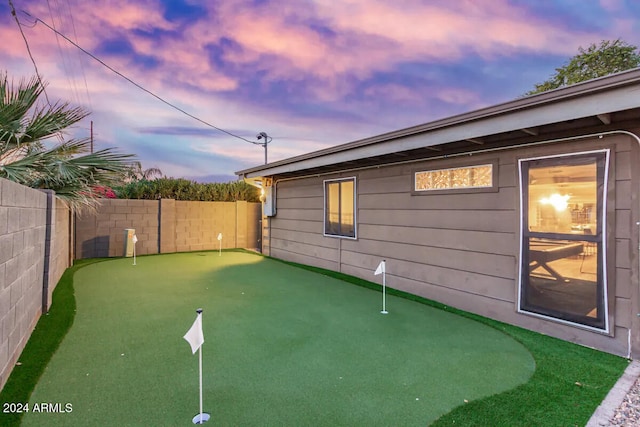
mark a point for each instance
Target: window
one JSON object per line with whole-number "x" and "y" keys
{"x": 465, "y": 178}
{"x": 340, "y": 207}
{"x": 562, "y": 269}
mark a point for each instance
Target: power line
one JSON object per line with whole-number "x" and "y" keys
{"x": 65, "y": 67}
{"x": 15, "y": 16}
{"x": 136, "y": 84}
{"x": 80, "y": 62}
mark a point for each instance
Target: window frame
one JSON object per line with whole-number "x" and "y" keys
{"x": 437, "y": 191}
{"x": 600, "y": 239}
{"x": 340, "y": 235}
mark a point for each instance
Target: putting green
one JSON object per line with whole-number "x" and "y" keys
{"x": 283, "y": 346}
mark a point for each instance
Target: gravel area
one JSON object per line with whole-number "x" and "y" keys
{"x": 628, "y": 413}
{"x": 621, "y": 407}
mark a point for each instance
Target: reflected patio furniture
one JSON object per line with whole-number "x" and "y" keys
{"x": 542, "y": 252}
{"x": 589, "y": 249}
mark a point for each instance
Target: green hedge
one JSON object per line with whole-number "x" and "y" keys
{"x": 184, "y": 189}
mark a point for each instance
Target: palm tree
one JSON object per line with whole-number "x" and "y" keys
{"x": 136, "y": 173}
{"x": 68, "y": 168}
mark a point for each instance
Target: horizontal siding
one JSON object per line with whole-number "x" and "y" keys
{"x": 475, "y": 241}
{"x": 299, "y": 225}
{"x": 314, "y": 239}
{"x": 294, "y": 189}
{"x": 329, "y": 254}
{"x": 505, "y": 199}
{"x": 492, "y": 221}
{"x": 301, "y": 203}
{"x": 303, "y": 258}
{"x": 385, "y": 185}
{"x": 501, "y": 266}
{"x": 459, "y": 249}
{"x": 300, "y": 214}
{"x": 466, "y": 281}
{"x": 448, "y": 296}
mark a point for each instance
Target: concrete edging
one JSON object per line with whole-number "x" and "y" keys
{"x": 605, "y": 412}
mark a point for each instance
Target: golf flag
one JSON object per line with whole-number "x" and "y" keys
{"x": 134, "y": 239}
{"x": 219, "y": 236}
{"x": 380, "y": 269}
{"x": 194, "y": 336}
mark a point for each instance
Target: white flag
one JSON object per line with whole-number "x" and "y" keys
{"x": 194, "y": 336}
{"x": 220, "y": 236}
{"x": 381, "y": 268}
{"x": 134, "y": 239}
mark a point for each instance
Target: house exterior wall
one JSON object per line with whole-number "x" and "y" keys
{"x": 463, "y": 249}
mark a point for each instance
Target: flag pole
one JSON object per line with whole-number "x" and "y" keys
{"x": 202, "y": 417}
{"x": 200, "y": 357}
{"x": 382, "y": 269}
{"x": 384, "y": 289}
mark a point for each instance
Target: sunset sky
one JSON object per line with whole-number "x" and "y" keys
{"x": 310, "y": 73}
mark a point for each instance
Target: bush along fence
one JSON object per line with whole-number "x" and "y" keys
{"x": 183, "y": 189}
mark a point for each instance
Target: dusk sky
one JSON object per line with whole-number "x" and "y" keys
{"x": 311, "y": 74}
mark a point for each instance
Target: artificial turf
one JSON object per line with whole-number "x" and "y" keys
{"x": 568, "y": 383}
{"x": 283, "y": 346}
{"x": 45, "y": 339}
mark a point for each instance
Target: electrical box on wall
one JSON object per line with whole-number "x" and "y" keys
{"x": 269, "y": 202}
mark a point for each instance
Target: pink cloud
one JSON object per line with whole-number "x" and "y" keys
{"x": 395, "y": 93}
{"x": 448, "y": 32}
{"x": 611, "y": 5}
{"x": 369, "y": 36}
{"x": 329, "y": 47}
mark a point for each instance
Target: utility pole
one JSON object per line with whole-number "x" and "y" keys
{"x": 267, "y": 140}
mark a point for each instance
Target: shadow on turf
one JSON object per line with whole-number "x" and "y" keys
{"x": 44, "y": 341}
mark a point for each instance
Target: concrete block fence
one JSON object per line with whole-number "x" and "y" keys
{"x": 40, "y": 238}
{"x": 34, "y": 252}
{"x": 165, "y": 226}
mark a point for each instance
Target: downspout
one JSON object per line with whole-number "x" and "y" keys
{"x": 262, "y": 216}
{"x": 638, "y": 256}
{"x": 637, "y": 139}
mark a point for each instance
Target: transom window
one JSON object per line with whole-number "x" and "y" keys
{"x": 562, "y": 268}
{"x": 340, "y": 207}
{"x": 479, "y": 176}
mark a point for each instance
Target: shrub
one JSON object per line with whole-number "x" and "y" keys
{"x": 184, "y": 189}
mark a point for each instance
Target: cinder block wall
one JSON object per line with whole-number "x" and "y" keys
{"x": 22, "y": 246}
{"x": 199, "y": 223}
{"x": 165, "y": 226}
{"x": 101, "y": 233}
{"x": 60, "y": 244}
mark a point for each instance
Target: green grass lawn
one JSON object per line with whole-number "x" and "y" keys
{"x": 289, "y": 346}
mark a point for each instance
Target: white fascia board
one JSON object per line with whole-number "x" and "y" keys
{"x": 583, "y": 106}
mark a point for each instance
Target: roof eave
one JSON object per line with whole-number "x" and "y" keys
{"x": 598, "y": 96}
